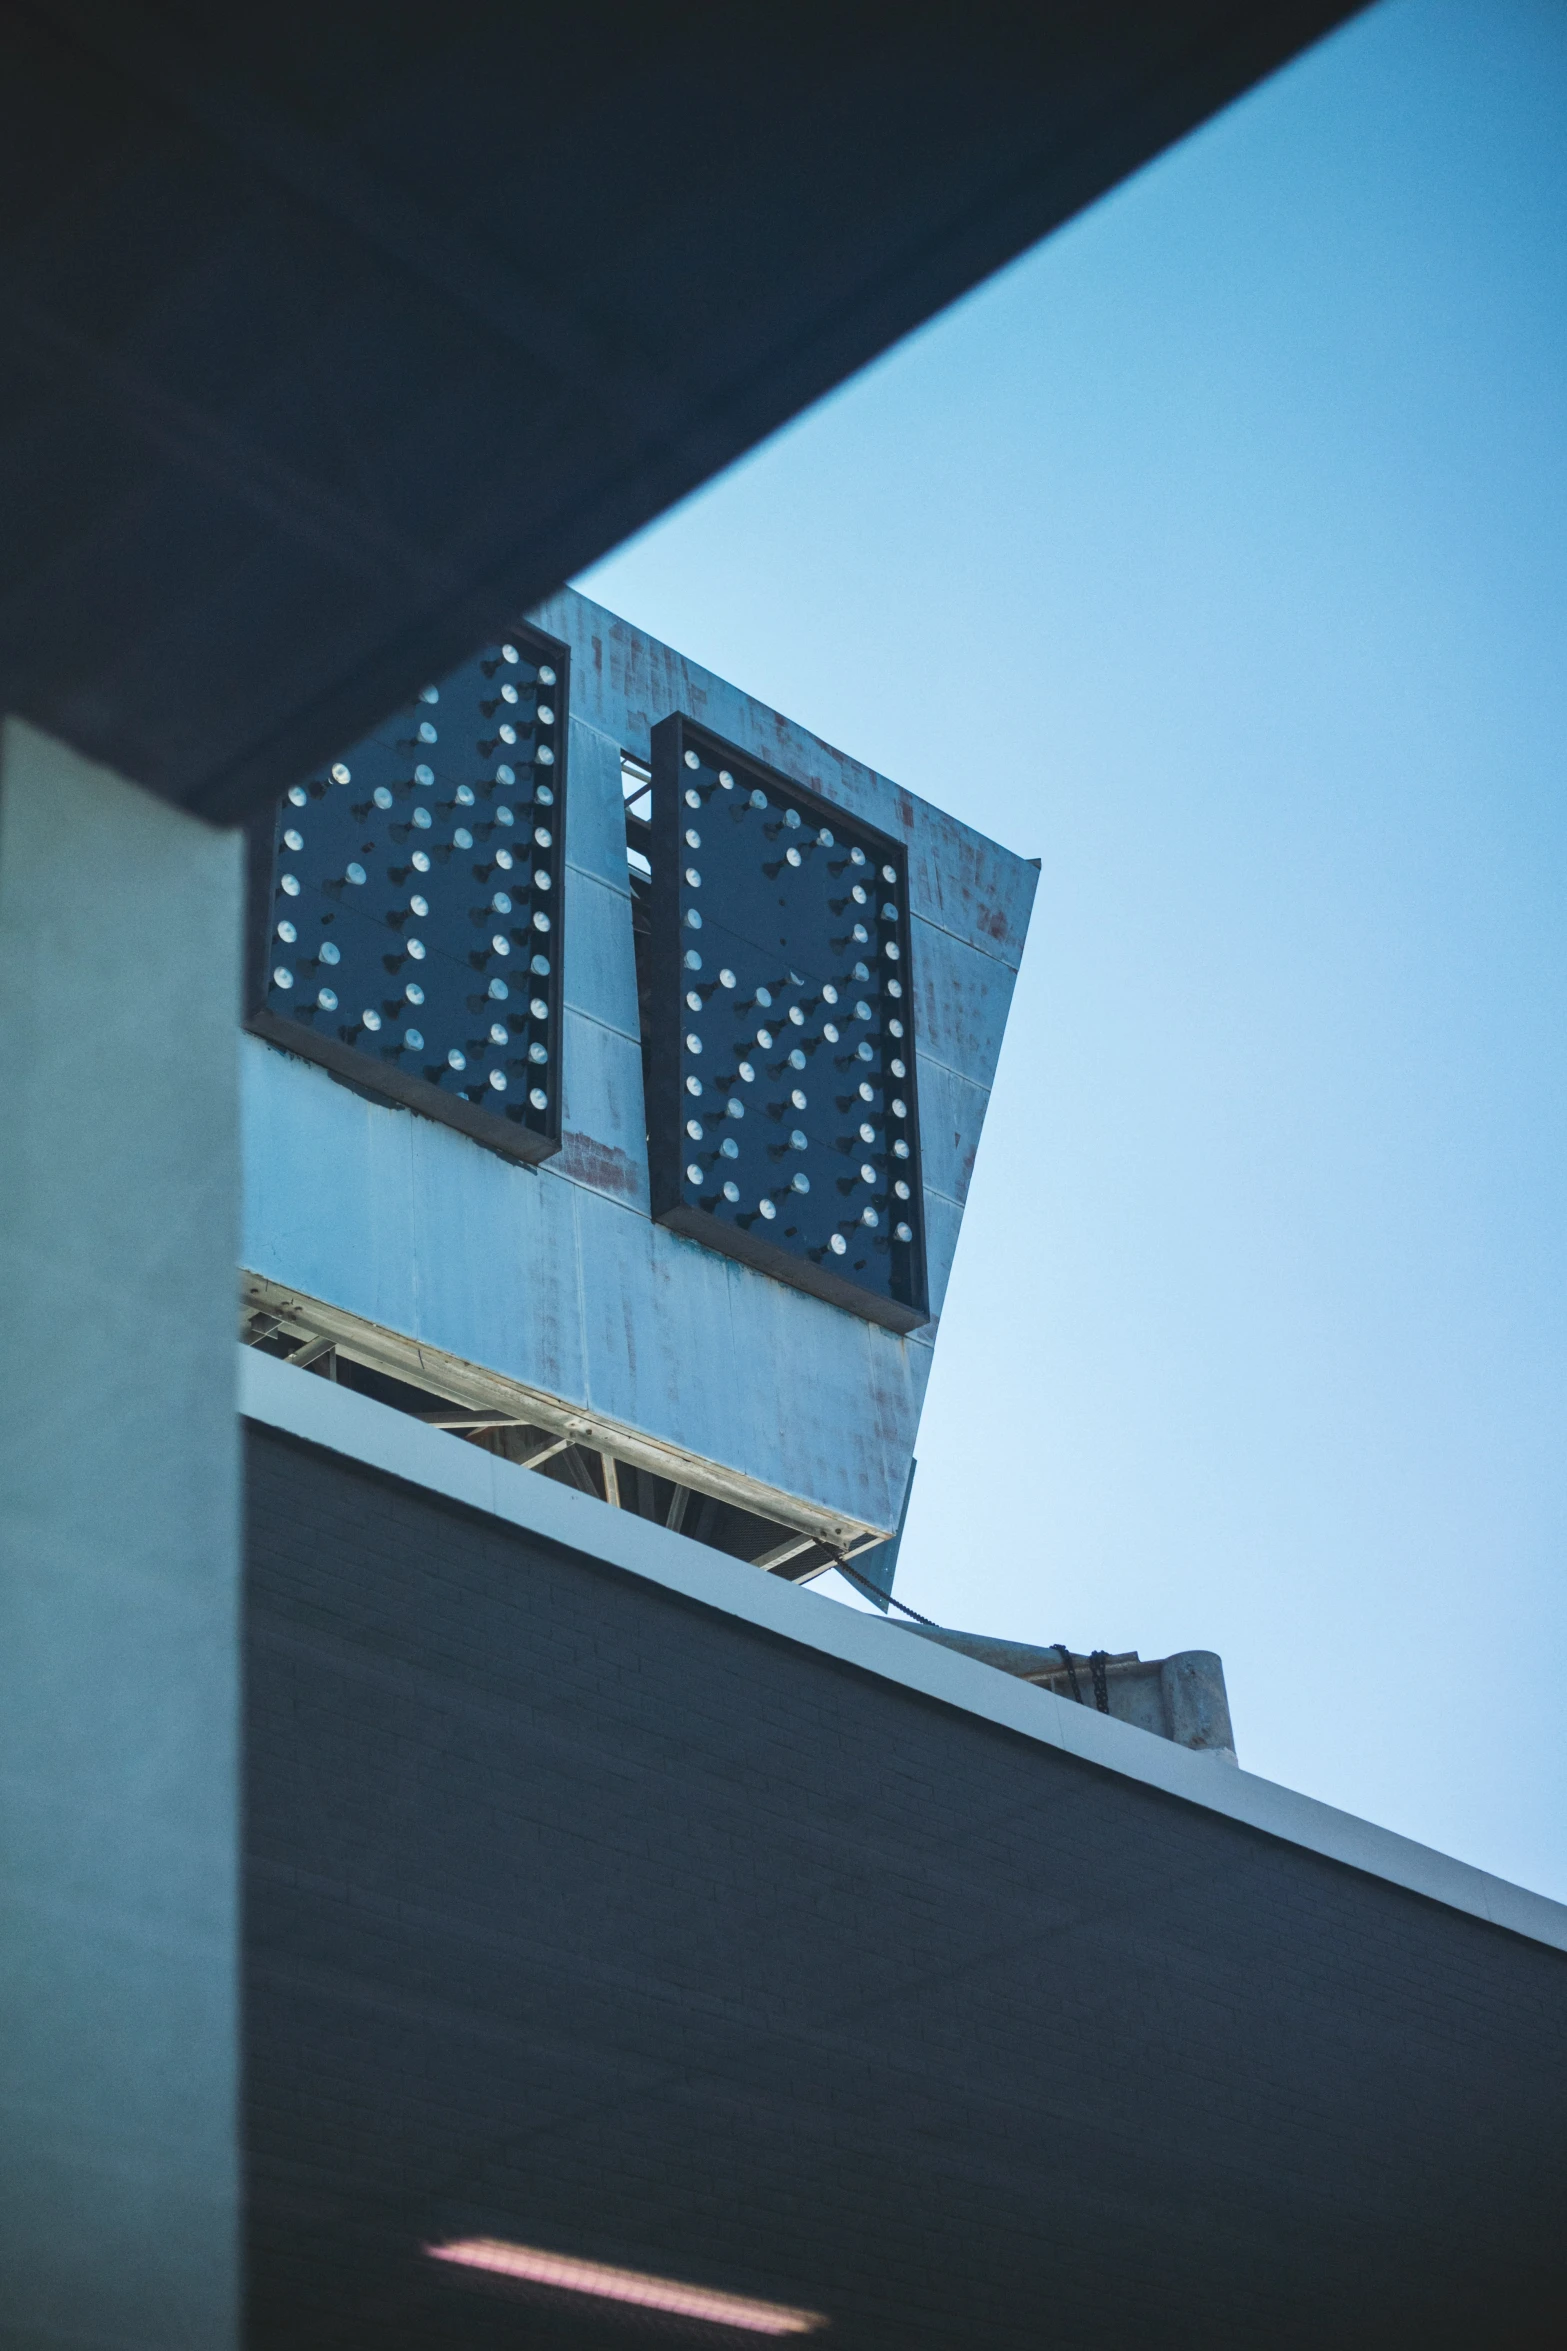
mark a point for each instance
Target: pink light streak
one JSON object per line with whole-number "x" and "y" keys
{"x": 569, "y": 2276}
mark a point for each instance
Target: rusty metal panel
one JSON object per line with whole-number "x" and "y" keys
{"x": 604, "y": 1125}
{"x": 961, "y": 1000}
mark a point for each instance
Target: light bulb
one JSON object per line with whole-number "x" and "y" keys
{"x": 731, "y": 1192}
{"x": 497, "y": 1080}
{"x": 282, "y": 977}
{"x": 340, "y": 774}
{"x": 539, "y": 1099}
{"x": 692, "y": 759}
{"x": 837, "y": 1244}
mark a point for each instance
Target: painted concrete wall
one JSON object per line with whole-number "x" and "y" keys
{"x": 557, "y": 1277}
{"x": 119, "y": 1596}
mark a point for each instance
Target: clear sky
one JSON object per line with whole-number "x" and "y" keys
{"x": 1215, "y": 554}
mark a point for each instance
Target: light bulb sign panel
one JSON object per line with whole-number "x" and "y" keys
{"x": 405, "y": 903}
{"x": 783, "y": 1124}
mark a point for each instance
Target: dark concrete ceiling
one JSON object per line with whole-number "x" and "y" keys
{"x": 335, "y": 336}
{"x": 582, "y": 1918}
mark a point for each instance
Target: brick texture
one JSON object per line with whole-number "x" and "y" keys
{"x": 585, "y": 1917}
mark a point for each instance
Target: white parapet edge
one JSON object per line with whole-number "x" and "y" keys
{"x": 302, "y": 1405}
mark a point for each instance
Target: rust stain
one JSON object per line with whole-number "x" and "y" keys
{"x": 600, "y": 1165}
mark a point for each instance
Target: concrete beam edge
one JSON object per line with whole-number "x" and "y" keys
{"x": 300, "y": 1404}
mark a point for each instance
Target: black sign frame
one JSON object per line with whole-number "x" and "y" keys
{"x": 868, "y": 1004}
{"x": 408, "y": 838}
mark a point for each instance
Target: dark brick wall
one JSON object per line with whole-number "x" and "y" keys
{"x": 583, "y": 1916}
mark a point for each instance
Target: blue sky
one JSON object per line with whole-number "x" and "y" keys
{"x": 1214, "y": 554}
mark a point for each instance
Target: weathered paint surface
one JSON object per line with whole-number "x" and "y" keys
{"x": 556, "y": 1276}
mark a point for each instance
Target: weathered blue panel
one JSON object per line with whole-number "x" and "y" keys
{"x": 961, "y": 1000}
{"x": 952, "y": 1111}
{"x": 556, "y": 1277}
{"x": 601, "y": 972}
{"x": 943, "y": 1218}
{"x": 408, "y": 1224}
{"x": 595, "y": 819}
{"x": 604, "y": 1127}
